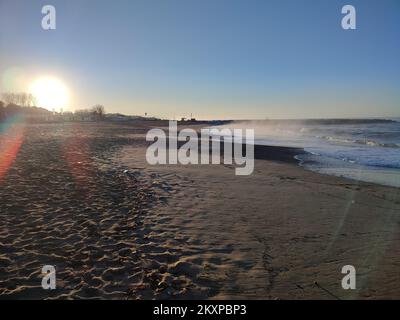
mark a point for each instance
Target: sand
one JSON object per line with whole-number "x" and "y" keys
{"x": 81, "y": 197}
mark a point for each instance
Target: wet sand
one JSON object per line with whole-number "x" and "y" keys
{"x": 81, "y": 197}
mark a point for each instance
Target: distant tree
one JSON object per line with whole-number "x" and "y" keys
{"x": 31, "y": 100}
{"x": 98, "y": 111}
{"x": 2, "y": 110}
{"x": 8, "y": 97}
{"x": 22, "y": 99}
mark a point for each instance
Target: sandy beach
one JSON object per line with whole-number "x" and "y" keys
{"x": 81, "y": 197}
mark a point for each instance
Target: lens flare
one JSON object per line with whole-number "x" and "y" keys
{"x": 11, "y": 138}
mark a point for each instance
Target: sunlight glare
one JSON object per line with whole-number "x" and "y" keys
{"x": 50, "y": 93}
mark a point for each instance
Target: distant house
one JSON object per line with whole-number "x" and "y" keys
{"x": 30, "y": 114}
{"x": 84, "y": 115}
{"x": 122, "y": 117}
{"x": 67, "y": 116}
{"x": 117, "y": 117}
{"x": 183, "y": 119}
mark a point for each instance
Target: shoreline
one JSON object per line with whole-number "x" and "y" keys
{"x": 278, "y": 153}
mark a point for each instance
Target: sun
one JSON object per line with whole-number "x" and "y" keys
{"x": 50, "y": 93}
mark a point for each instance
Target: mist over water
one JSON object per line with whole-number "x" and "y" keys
{"x": 366, "y": 150}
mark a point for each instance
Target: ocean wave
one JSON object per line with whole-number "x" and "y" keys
{"x": 371, "y": 158}
{"x": 336, "y": 139}
{"x": 366, "y": 142}
{"x": 373, "y": 143}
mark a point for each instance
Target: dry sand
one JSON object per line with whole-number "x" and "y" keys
{"x": 82, "y": 197}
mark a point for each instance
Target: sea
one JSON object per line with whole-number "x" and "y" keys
{"x": 360, "y": 149}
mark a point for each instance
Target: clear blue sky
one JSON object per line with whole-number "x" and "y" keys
{"x": 215, "y": 58}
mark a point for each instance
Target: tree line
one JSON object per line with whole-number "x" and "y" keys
{"x": 25, "y": 103}
{"x": 22, "y": 99}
